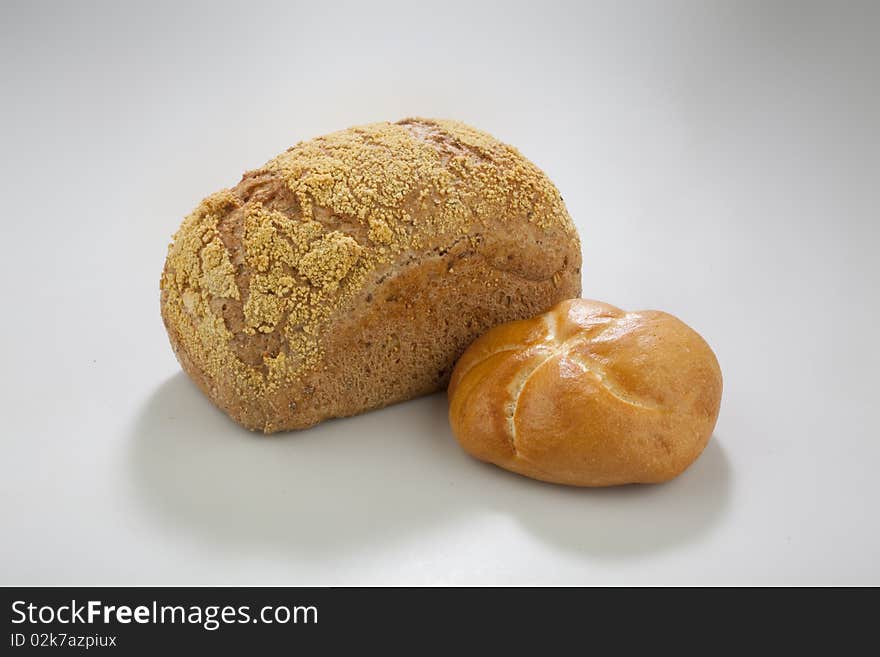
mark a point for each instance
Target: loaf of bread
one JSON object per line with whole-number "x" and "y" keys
{"x": 587, "y": 395}
{"x": 351, "y": 271}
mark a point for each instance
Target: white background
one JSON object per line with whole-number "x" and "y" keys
{"x": 722, "y": 163}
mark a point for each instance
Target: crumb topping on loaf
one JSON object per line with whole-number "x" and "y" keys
{"x": 299, "y": 240}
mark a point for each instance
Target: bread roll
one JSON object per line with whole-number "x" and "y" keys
{"x": 587, "y": 395}
{"x": 351, "y": 271}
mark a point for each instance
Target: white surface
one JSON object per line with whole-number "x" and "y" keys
{"x": 721, "y": 161}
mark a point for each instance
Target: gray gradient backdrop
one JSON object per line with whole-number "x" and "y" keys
{"x": 721, "y": 161}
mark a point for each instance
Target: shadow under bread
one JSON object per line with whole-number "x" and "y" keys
{"x": 379, "y": 478}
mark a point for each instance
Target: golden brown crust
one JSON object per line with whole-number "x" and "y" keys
{"x": 352, "y": 270}
{"x": 587, "y": 395}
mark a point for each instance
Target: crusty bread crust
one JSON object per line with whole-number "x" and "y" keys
{"x": 353, "y": 270}
{"x": 587, "y": 395}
